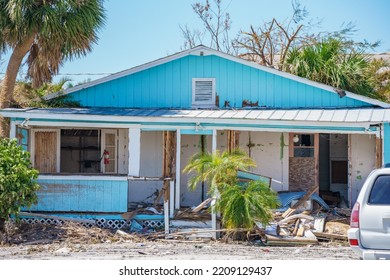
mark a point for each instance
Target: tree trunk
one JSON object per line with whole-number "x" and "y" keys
{"x": 2, "y": 225}
{"x": 8, "y": 84}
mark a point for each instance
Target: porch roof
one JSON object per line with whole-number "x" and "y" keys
{"x": 363, "y": 115}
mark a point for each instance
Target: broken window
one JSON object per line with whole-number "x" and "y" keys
{"x": 303, "y": 145}
{"x": 75, "y": 151}
{"x": 22, "y": 135}
{"x": 80, "y": 151}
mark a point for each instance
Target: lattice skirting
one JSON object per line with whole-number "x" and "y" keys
{"x": 101, "y": 222}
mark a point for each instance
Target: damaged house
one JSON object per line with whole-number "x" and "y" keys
{"x": 136, "y": 130}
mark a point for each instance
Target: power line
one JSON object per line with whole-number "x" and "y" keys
{"x": 74, "y": 74}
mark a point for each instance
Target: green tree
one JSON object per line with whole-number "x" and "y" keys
{"x": 18, "y": 184}
{"x": 333, "y": 62}
{"x": 25, "y": 95}
{"x": 240, "y": 203}
{"x": 50, "y": 32}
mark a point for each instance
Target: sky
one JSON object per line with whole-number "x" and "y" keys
{"x": 140, "y": 31}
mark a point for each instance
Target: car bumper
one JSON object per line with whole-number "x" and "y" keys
{"x": 366, "y": 254}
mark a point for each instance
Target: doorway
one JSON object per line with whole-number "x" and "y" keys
{"x": 333, "y": 168}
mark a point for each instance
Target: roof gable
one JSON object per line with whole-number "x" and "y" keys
{"x": 165, "y": 83}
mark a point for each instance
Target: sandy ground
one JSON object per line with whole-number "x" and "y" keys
{"x": 72, "y": 241}
{"x": 175, "y": 250}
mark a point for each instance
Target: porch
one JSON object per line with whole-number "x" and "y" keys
{"x": 149, "y": 148}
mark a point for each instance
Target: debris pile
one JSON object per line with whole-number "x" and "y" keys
{"x": 300, "y": 224}
{"x": 36, "y": 234}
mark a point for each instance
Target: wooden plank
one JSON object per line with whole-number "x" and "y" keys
{"x": 46, "y": 151}
{"x": 378, "y": 152}
{"x": 300, "y": 202}
{"x": 330, "y": 236}
{"x": 274, "y": 240}
{"x": 202, "y": 205}
{"x": 301, "y": 231}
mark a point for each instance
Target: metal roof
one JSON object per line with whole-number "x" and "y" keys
{"x": 372, "y": 115}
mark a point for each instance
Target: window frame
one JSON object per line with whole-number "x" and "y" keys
{"x": 33, "y": 132}
{"x": 204, "y": 104}
{"x": 314, "y": 147}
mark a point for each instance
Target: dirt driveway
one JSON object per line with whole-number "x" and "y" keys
{"x": 76, "y": 242}
{"x": 174, "y": 250}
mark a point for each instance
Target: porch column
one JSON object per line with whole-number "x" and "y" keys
{"x": 12, "y": 132}
{"x": 134, "y": 151}
{"x": 215, "y": 195}
{"x": 178, "y": 169}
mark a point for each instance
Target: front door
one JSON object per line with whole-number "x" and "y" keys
{"x": 303, "y": 161}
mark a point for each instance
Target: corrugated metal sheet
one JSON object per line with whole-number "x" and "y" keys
{"x": 376, "y": 115}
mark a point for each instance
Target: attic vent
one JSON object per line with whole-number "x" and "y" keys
{"x": 203, "y": 92}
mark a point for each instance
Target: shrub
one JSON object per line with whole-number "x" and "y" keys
{"x": 18, "y": 184}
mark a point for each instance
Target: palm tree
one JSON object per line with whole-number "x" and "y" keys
{"x": 50, "y": 32}
{"x": 240, "y": 203}
{"x": 217, "y": 169}
{"x": 25, "y": 95}
{"x": 333, "y": 62}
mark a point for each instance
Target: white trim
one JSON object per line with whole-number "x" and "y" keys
{"x": 214, "y": 141}
{"x": 12, "y": 131}
{"x": 82, "y": 177}
{"x": 222, "y": 122}
{"x": 172, "y": 198}
{"x": 207, "y": 51}
{"x": 178, "y": 168}
{"x": 134, "y": 152}
{"x": 166, "y": 218}
{"x": 221, "y": 126}
{"x": 103, "y": 133}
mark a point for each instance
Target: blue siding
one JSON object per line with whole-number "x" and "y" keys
{"x": 82, "y": 196}
{"x": 170, "y": 86}
{"x": 386, "y": 143}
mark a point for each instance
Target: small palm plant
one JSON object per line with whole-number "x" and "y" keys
{"x": 244, "y": 204}
{"x": 240, "y": 203}
{"x": 217, "y": 169}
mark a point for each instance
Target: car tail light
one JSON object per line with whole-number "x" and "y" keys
{"x": 355, "y": 216}
{"x": 353, "y": 242}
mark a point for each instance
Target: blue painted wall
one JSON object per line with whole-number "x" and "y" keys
{"x": 386, "y": 143}
{"x": 82, "y": 196}
{"x": 170, "y": 86}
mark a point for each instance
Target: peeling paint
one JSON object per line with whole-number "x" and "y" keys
{"x": 359, "y": 177}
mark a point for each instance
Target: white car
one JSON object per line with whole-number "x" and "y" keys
{"x": 369, "y": 235}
